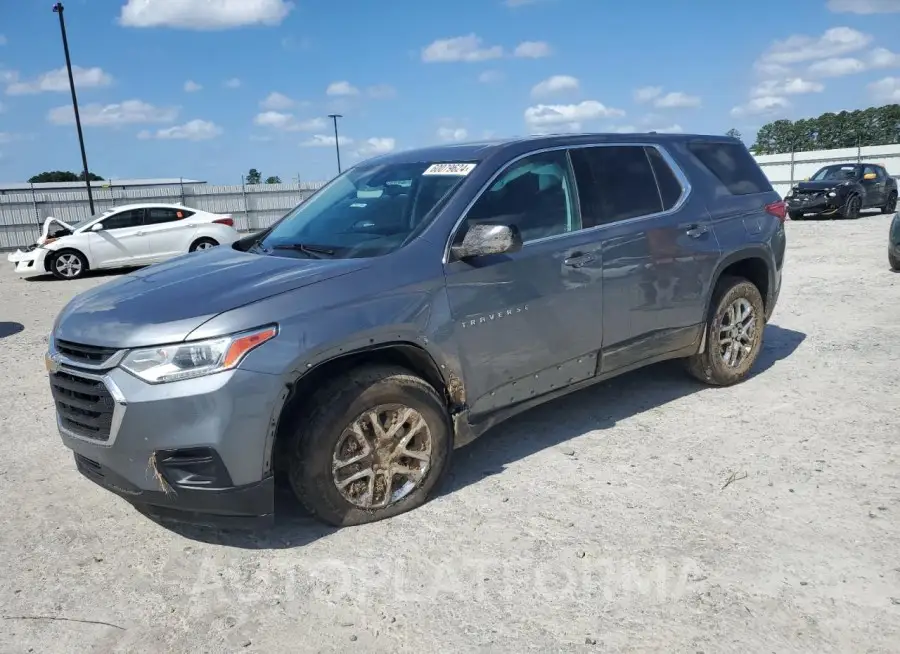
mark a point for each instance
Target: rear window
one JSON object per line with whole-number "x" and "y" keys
{"x": 733, "y": 165}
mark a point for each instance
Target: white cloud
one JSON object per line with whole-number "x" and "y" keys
{"x": 789, "y": 86}
{"x": 451, "y": 134}
{"x": 233, "y": 83}
{"x": 194, "y": 130}
{"x": 883, "y": 58}
{"x": 287, "y": 122}
{"x": 490, "y": 76}
{"x": 533, "y": 50}
{"x": 555, "y": 84}
{"x": 800, "y": 48}
{"x": 767, "y": 104}
{"x": 191, "y": 86}
{"x": 864, "y": 6}
{"x": 676, "y": 99}
{"x": 322, "y": 140}
{"x": 204, "y": 14}
{"x": 468, "y": 48}
{"x": 569, "y": 116}
{"x": 381, "y": 91}
{"x": 375, "y": 146}
{"x": 647, "y": 93}
{"x": 129, "y": 112}
{"x": 341, "y": 88}
{"x": 886, "y": 90}
{"x": 58, "y": 81}
{"x": 277, "y": 102}
{"x": 836, "y": 67}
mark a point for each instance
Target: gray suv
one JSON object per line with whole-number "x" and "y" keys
{"x": 408, "y": 306}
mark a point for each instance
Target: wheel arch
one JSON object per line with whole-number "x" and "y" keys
{"x": 405, "y": 354}
{"x": 756, "y": 265}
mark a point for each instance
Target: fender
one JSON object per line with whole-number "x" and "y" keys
{"x": 751, "y": 251}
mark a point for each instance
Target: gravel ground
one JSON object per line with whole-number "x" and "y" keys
{"x": 600, "y": 522}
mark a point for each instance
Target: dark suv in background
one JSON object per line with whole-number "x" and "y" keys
{"x": 408, "y": 306}
{"x": 844, "y": 190}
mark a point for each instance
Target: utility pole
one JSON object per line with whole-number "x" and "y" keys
{"x": 58, "y": 9}
{"x": 337, "y": 144}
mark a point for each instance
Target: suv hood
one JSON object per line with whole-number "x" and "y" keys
{"x": 165, "y": 302}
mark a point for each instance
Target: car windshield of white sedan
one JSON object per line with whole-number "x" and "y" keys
{"x": 835, "y": 173}
{"x": 368, "y": 211}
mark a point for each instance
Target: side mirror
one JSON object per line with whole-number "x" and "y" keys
{"x": 96, "y": 227}
{"x": 870, "y": 176}
{"x": 482, "y": 239}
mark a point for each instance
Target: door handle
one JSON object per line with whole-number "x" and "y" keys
{"x": 577, "y": 260}
{"x": 696, "y": 231}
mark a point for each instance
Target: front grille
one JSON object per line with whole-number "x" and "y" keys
{"x": 84, "y": 406}
{"x": 88, "y": 354}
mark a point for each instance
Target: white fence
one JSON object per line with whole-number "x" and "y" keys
{"x": 253, "y": 206}
{"x": 785, "y": 170}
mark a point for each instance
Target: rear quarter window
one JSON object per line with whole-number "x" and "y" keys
{"x": 733, "y": 165}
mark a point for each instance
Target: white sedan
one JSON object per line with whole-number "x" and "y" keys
{"x": 131, "y": 235}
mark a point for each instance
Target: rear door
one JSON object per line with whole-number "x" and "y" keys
{"x": 529, "y": 322}
{"x": 121, "y": 242}
{"x": 169, "y": 231}
{"x": 658, "y": 248}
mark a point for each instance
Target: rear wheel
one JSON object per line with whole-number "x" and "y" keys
{"x": 891, "y": 205}
{"x": 852, "y": 208}
{"x": 734, "y": 334}
{"x": 203, "y": 244}
{"x": 371, "y": 444}
{"x": 68, "y": 264}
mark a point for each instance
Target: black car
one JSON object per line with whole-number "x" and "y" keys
{"x": 844, "y": 190}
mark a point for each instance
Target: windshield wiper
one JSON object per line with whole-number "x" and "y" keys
{"x": 314, "y": 251}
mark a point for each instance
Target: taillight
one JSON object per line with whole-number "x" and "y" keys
{"x": 226, "y": 220}
{"x": 777, "y": 209}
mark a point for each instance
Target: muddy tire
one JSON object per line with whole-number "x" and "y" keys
{"x": 369, "y": 445}
{"x": 891, "y": 205}
{"x": 68, "y": 264}
{"x": 203, "y": 244}
{"x": 734, "y": 334}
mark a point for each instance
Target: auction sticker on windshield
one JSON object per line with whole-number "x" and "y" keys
{"x": 460, "y": 169}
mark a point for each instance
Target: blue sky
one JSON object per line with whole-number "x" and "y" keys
{"x": 210, "y": 88}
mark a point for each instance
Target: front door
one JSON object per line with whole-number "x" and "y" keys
{"x": 121, "y": 242}
{"x": 659, "y": 251}
{"x": 529, "y": 322}
{"x": 169, "y": 231}
{"x": 873, "y": 188}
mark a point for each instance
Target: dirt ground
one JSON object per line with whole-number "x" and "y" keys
{"x": 601, "y": 522}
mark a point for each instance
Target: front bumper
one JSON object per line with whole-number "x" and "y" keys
{"x": 195, "y": 451}
{"x": 28, "y": 262}
{"x": 820, "y": 204}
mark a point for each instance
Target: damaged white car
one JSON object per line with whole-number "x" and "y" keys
{"x": 130, "y": 235}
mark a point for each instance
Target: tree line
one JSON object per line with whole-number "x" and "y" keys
{"x": 61, "y": 176}
{"x": 846, "y": 129}
{"x": 253, "y": 176}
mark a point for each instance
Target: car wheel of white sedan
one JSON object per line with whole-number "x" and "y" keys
{"x": 203, "y": 244}
{"x": 68, "y": 264}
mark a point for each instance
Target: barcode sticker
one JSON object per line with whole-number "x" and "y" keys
{"x": 460, "y": 169}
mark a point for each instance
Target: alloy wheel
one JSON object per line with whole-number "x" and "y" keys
{"x": 68, "y": 265}
{"x": 382, "y": 456}
{"x": 737, "y": 333}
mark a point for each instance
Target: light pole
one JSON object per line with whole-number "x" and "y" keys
{"x": 58, "y": 9}
{"x": 337, "y": 143}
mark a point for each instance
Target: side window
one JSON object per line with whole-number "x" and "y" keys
{"x": 670, "y": 189}
{"x": 534, "y": 194}
{"x": 157, "y": 215}
{"x": 132, "y": 218}
{"x": 733, "y": 165}
{"x": 615, "y": 183}
{"x": 870, "y": 169}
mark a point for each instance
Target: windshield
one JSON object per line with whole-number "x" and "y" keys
{"x": 85, "y": 221}
{"x": 837, "y": 173}
{"x": 368, "y": 211}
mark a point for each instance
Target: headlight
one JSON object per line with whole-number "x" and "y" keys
{"x": 832, "y": 194}
{"x": 168, "y": 363}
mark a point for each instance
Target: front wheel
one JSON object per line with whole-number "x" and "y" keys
{"x": 734, "y": 334}
{"x": 795, "y": 215}
{"x": 891, "y": 205}
{"x": 852, "y": 208}
{"x": 203, "y": 244}
{"x": 68, "y": 264}
{"x": 370, "y": 445}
